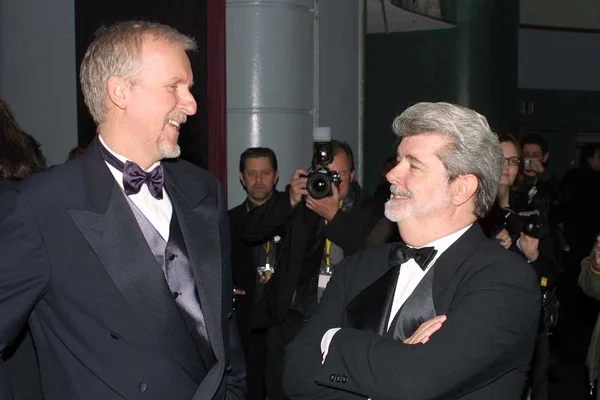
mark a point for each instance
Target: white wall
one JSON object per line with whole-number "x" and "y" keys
{"x": 37, "y": 71}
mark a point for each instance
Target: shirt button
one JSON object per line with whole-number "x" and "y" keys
{"x": 332, "y": 377}
{"x": 143, "y": 387}
{"x": 175, "y": 295}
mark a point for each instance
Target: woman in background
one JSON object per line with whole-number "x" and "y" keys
{"x": 518, "y": 221}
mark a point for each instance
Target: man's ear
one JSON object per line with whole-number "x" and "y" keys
{"x": 242, "y": 181}
{"x": 465, "y": 187}
{"x": 276, "y": 178}
{"x": 545, "y": 158}
{"x": 351, "y": 176}
{"x": 118, "y": 91}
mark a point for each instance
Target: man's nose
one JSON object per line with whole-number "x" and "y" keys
{"x": 394, "y": 175}
{"x": 188, "y": 104}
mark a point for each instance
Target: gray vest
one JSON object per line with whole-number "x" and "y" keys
{"x": 173, "y": 258}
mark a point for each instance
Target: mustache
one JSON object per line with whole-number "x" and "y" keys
{"x": 178, "y": 117}
{"x": 396, "y": 191}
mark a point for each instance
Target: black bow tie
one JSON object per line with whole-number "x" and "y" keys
{"x": 401, "y": 253}
{"x": 134, "y": 176}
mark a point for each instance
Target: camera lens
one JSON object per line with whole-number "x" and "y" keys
{"x": 318, "y": 185}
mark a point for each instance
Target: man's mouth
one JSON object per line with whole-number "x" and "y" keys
{"x": 399, "y": 194}
{"x": 176, "y": 124}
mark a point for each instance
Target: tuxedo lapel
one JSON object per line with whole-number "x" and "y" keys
{"x": 110, "y": 228}
{"x": 200, "y": 228}
{"x": 454, "y": 257}
{"x": 369, "y": 310}
{"x": 417, "y": 309}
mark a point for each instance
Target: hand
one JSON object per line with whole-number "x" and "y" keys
{"x": 529, "y": 247}
{"x": 326, "y": 207}
{"x": 536, "y": 165}
{"x": 505, "y": 239}
{"x": 298, "y": 186}
{"x": 426, "y": 329}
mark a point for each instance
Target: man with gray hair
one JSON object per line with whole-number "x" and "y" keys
{"x": 120, "y": 262}
{"x": 444, "y": 314}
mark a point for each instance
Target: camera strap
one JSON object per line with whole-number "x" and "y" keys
{"x": 328, "y": 246}
{"x": 265, "y": 246}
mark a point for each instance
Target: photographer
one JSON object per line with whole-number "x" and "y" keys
{"x": 319, "y": 233}
{"x": 519, "y": 222}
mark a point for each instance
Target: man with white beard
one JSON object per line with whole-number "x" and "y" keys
{"x": 446, "y": 313}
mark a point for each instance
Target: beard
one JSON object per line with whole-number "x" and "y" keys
{"x": 168, "y": 150}
{"x": 165, "y": 148}
{"x": 397, "y": 210}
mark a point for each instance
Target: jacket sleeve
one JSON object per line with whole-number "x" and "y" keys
{"x": 24, "y": 270}
{"x": 589, "y": 281}
{"x": 478, "y": 343}
{"x": 547, "y": 264}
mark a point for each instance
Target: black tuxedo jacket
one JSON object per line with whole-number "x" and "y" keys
{"x": 103, "y": 320}
{"x": 482, "y": 351}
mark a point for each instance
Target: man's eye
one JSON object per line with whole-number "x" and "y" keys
{"x": 412, "y": 166}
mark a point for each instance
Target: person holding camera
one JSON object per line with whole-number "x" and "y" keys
{"x": 326, "y": 216}
{"x": 519, "y": 222}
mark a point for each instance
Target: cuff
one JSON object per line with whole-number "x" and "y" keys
{"x": 326, "y": 341}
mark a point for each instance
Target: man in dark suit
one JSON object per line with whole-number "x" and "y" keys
{"x": 253, "y": 264}
{"x": 318, "y": 234}
{"x": 119, "y": 262}
{"x": 447, "y": 313}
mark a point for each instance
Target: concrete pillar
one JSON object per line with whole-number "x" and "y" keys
{"x": 270, "y": 84}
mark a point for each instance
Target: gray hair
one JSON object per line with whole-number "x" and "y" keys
{"x": 472, "y": 147}
{"x": 117, "y": 51}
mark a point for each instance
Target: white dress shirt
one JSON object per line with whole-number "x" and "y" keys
{"x": 408, "y": 279}
{"x": 158, "y": 212}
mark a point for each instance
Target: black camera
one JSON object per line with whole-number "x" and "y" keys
{"x": 320, "y": 181}
{"x": 530, "y": 224}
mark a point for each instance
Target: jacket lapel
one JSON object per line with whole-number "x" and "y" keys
{"x": 453, "y": 258}
{"x": 200, "y": 228}
{"x": 369, "y": 310}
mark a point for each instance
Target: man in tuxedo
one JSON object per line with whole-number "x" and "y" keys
{"x": 445, "y": 314}
{"x": 253, "y": 265}
{"x": 118, "y": 261}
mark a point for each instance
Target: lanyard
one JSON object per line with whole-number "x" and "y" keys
{"x": 328, "y": 247}
{"x": 266, "y": 246}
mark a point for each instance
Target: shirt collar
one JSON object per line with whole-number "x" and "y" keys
{"x": 122, "y": 158}
{"x": 443, "y": 243}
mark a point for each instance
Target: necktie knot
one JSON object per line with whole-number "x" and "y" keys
{"x": 134, "y": 176}
{"x": 422, "y": 256}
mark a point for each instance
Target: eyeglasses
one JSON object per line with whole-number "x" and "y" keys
{"x": 512, "y": 161}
